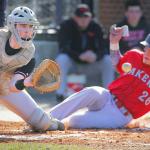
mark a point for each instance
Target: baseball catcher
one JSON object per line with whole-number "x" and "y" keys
{"x": 126, "y": 99}
{"x": 17, "y": 64}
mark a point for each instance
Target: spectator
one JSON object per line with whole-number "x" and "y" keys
{"x": 81, "y": 41}
{"x": 138, "y": 27}
{"x": 90, "y": 4}
{"x": 2, "y": 12}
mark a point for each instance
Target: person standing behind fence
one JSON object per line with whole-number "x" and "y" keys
{"x": 138, "y": 27}
{"x": 81, "y": 41}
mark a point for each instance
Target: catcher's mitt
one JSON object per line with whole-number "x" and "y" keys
{"x": 46, "y": 77}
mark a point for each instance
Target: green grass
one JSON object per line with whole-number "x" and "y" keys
{"x": 40, "y": 146}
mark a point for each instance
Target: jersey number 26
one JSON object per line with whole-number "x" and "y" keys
{"x": 145, "y": 98}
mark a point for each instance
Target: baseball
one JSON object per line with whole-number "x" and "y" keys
{"x": 126, "y": 67}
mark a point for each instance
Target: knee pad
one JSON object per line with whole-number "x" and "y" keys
{"x": 42, "y": 121}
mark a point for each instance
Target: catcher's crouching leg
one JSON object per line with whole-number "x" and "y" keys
{"x": 40, "y": 120}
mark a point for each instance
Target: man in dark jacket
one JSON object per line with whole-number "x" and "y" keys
{"x": 138, "y": 28}
{"x": 81, "y": 40}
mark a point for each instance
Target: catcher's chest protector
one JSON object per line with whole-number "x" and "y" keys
{"x": 12, "y": 62}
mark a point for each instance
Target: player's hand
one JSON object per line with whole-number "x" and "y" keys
{"x": 13, "y": 81}
{"x": 142, "y": 122}
{"x": 115, "y": 34}
{"x": 88, "y": 56}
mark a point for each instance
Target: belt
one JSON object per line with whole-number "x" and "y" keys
{"x": 121, "y": 107}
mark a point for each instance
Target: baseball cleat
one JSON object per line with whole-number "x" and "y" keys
{"x": 61, "y": 126}
{"x": 56, "y": 125}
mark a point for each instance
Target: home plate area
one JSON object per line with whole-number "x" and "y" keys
{"x": 114, "y": 139}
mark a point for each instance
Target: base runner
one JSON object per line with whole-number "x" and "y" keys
{"x": 127, "y": 98}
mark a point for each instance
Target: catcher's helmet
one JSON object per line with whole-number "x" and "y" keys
{"x": 22, "y": 15}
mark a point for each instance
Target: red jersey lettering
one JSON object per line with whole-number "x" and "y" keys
{"x": 133, "y": 88}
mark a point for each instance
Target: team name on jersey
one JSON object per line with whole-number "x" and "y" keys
{"x": 140, "y": 74}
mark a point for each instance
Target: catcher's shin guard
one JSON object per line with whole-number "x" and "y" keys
{"x": 40, "y": 120}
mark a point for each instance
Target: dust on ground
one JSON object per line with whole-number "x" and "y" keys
{"x": 118, "y": 139}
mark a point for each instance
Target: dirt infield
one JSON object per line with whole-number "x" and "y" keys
{"x": 119, "y": 139}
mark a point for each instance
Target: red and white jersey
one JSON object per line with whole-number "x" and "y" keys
{"x": 133, "y": 88}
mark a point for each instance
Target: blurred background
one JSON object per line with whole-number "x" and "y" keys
{"x": 52, "y": 12}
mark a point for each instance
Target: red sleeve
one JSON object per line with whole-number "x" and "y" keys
{"x": 130, "y": 56}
